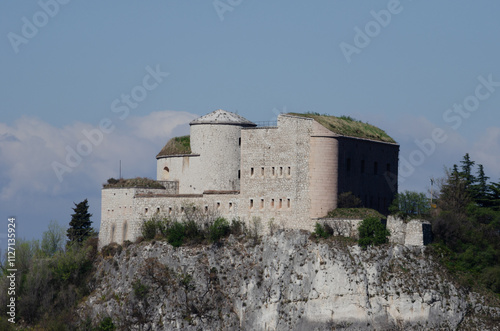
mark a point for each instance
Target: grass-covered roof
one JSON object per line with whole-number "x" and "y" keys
{"x": 347, "y": 126}
{"x": 141, "y": 182}
{"x": 176, "y": 146}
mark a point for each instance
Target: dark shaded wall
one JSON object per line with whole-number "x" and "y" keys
{"x": 369, "y": 170}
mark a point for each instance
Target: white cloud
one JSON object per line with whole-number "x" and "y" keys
{"x": 28, "y": 184}
{"x": 486, "y": 151}
{"x": 158, "y": 125}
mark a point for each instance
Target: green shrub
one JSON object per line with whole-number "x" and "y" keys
{"x": 140, "y": 290}
{"x": 320, "y": 232}
{"x": 220, "y": 228}
{"x": 372, "y": 232}
{"x": 106, "y": 325}
{"x": 176, "y": 234}
{"x": 149, "y": 229}
{"x": 237, "y": 227}
{"x": 491, "y": 278}
{"x": 192, "y": 230}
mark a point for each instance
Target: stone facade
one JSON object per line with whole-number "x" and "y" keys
{"x": 290, "y": 175}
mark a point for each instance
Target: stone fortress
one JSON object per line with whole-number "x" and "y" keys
{"x": 290, "y": 174}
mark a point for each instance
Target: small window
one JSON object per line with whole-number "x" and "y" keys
{"x": 157, "y": 209}
{"x": 272, "y": 171}
{"x": 289, "y": 171}
{"x": 206, "y": 209}
{"x": 375, "y": 168}
{"x": 262, "y": 171}
{"x": 281, "y": 171}
{"x": 239, "y": 174}
{"x": 281, "y": 204}
{"x": 230, "y": 206}
{"x": 251, "y": 203}
{"x": 288, "y": 203}
{"x": 218, "y": 205}
{"x": 170, "y": 210}
{"x": 272, "y": 203}
{"x": 182, "y": 209}
{"x": 239, "y": 141}
{"x": 145, "y": 210}
{"x": 261, "y": 203}
{"x": 251, "y": 172}
{"x": 362, "y": 166}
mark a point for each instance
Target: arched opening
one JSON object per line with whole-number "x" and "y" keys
{"x": 166, "y": 173}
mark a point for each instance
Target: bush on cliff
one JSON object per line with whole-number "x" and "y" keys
{"x": 372, "y": 232}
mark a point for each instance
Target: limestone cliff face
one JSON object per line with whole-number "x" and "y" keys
{"x": 284, "y": 282}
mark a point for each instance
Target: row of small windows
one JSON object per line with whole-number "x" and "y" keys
{"x": 274, "y": 171}
{"x": 362, "y": 166}
{"x": 182, "y": 209}
{"x": 273, "y": 203}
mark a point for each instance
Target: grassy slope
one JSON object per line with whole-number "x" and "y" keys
{"x": 176, "y": 146}
{"x": 347, "y": 126}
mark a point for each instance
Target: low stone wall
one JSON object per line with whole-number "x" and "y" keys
{"x": 412, "y": 233}
{"x": 342, "y": 227}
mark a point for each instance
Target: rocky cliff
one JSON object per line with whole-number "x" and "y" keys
{"x": 281, "y": 282}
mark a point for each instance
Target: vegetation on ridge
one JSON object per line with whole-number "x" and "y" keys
{"x": 141, "y": 182}
{"x": 347, "y": 126}
{"x": 176, "y": 146}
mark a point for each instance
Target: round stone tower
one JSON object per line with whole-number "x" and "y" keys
{"x": 216, "y": 137}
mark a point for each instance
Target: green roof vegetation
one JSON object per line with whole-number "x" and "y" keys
{"x": 354, "y": 213}
{"x": 142, "y": 182}
{"x": 176, "y": 146}
{"x": 348, "y": 126}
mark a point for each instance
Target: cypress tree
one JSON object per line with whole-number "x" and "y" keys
{"x": 481, "y": 189}
{"x": 466, "y": 173}
{"x": 80, "y": 224}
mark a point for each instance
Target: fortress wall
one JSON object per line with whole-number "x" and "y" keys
{"x": 219, "y": 149}
{"x": 124, "y": 210}
{"x": 274, "y": 173}
{"x": 117, "y": 211}
{"x": 323, "y": 172}
{"x": 414, "y": 232}
{"x": 369, "y": 170}
{"x": 187, "y": 169}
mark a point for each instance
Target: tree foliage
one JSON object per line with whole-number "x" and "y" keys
{"x": 53, "y": 239}
{"x": 80, "y": 225}
{"x": 410, "y": 204}
{"x": 466, "y": 224}
{"x": 348, "y": 200}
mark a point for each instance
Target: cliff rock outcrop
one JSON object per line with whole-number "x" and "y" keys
{"x": 281, "y": 282}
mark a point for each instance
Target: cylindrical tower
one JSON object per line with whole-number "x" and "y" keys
{"x": 216, "y": 137}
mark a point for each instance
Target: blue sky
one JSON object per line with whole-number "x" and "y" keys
{"x": 426, "y": 72}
